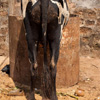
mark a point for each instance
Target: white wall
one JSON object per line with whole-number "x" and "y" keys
{"x": 87, "y": 3}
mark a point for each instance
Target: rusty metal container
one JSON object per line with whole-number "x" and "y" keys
{"x": 68, "y": 64}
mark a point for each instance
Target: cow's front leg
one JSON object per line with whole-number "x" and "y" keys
{"x": 54, "y": 34}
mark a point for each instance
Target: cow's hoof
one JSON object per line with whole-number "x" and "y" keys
{"x": 45, "y": 98}
{"x": 32, "y": 97}
{"x": 54, "y": 98}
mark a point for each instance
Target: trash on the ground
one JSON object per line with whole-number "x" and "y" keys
{"x": 66, "y": 94}
{"x": 98, "y": 98}
{"x": 16, "y": 92}
{"x": 88, "y": 80}
{"x": 80, "y": 92}
{"x": 94, "y": 65}
{"x": 6, "y": 69}
{"x": 72, "y": 96}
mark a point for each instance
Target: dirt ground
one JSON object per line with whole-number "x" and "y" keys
{"x": 89, "y": 82}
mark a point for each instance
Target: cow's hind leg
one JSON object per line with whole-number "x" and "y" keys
{"x": 33, "y": 69}
{"x": 54, "y": 44}
{"x": 32, "y": 37}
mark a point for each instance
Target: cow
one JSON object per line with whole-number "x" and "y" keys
{"x": 44, "y": 21}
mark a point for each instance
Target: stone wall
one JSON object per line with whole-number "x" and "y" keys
{"x": 87, "y": 10}
{"x": 89, "y": 13}
{"x": 3, "y": 27}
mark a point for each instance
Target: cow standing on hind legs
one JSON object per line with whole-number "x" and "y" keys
{"x": 44, "y": 21}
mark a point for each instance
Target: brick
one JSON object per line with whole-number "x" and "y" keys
{"x": 4, "y": 30}
{"x": 89, "y": 14}
{"x": 98, "y": 21}
{"x": 3, "y": 4}
{"x": 89, "y": 22}
{"x": 98, "y": 12}
{"x": 3, "y": 13}
{"x": 2, "y": 46}
{"x": 82, "y": 22}
{"x": 85, "y": 31}
{"x": 2, "y": 52}
{"x": 4, "y": 0}
{"x": 2, "y": 39}
{"x": 78, "y": 11}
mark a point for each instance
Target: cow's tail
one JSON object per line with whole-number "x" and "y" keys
{"x": 44, "y": 6}
{"x": 46, "y": 75}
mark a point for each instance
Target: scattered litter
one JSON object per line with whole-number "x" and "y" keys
{"x": 79, "y": 92}
{"x": 98, "y": 98}
{"x": 65, "y": 94}
{"x": 16, "y": 92}
{"x": 95, "y": 66}
{"x": 88, "y": 79}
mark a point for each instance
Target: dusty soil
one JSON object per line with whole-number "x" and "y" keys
{"x": 89, "y": 82}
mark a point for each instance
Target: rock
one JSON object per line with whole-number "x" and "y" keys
{"x": 98, "y": 98}
{"x": 79, "y": 92}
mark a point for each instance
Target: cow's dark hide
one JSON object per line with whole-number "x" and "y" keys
{"x": 44, "y": 20}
